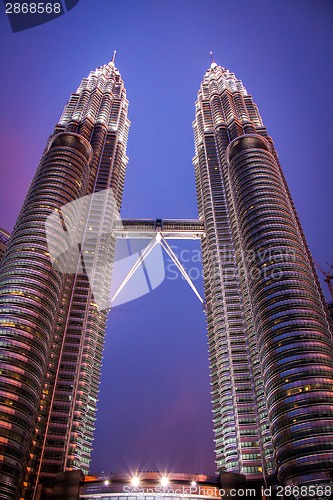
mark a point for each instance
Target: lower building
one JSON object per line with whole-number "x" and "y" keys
{"x": 152, "y": 485}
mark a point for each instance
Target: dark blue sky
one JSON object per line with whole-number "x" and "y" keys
{"x": 154, "y": 410}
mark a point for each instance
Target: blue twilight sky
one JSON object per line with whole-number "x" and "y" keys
{"x": 154, "y": 410}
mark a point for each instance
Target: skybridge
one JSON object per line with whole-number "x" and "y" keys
{"x": 158, "y": 231}
{"x": 178, "y": 229}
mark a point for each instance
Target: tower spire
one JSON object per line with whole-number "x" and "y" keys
{"x": 114, "y": 56}
{"x": 213, "y": 63}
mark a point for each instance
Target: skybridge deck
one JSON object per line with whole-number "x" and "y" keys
{"x": 192, "y": 229}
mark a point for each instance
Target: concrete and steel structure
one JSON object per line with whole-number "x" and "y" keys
{"x": 271, "y": 352}
{"x": 270, "y": 347}
{"x": 51, "y": 328}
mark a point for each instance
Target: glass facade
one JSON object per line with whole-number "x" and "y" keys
{"x": 271, "y": 352}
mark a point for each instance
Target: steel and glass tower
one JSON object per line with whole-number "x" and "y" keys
{"x": 51, "y": 327}
{"x": 271, "y": 352}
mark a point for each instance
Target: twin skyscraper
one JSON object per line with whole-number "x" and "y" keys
{"x": 270, "y": 344}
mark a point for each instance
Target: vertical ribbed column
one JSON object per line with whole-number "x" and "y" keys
{"x": 30, "y": 289}
{"x": 292, "y": 333}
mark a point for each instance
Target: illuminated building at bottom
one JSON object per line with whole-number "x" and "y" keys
{"x": 149, "y": 486}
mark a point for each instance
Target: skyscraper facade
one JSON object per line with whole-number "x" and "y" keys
{"x": 271, "y": 352}
{"x": 51, "y": 327}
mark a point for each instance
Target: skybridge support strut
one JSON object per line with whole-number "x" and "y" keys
{"x": 173, "y": 230}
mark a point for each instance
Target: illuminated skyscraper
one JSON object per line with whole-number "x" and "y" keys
{"x": 271, "y": 353}
{"x": 51, "y": 327}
